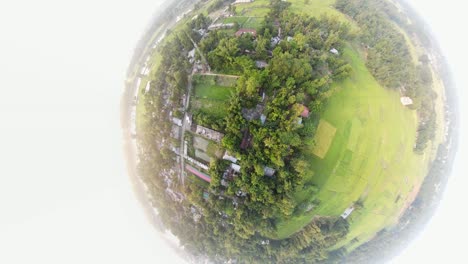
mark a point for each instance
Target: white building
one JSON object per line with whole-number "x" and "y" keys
{"x": 406, "y": 101}
{"x": 243, "y": 1}
{"x": 267, "y": 171}
{"x": 235, "y": 167}
{"x": 347, "y": 212}
{"x": 148, "y": 86}
{"x": 334, "y": 51}
{"x": 229, "y": 157}
{"x": 177, "y": 121}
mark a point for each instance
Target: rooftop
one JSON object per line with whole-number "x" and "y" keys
{"x": 406, "y": 101}
{"x": 243, "y": 31}
{"x": 305, "y": 112}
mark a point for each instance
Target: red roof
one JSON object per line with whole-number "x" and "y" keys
{"x": 200, "y": 175}
{"x": 305, "y": 112}
{"x": 242, "y": 31}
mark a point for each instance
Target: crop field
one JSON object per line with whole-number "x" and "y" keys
{"x": 370, "y": 158}
{"x": 323, "y": 139}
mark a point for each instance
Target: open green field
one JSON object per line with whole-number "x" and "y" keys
{"x": 211, "y": 95}
{"x": 254, "y": 8}
{"x": 370, "y": 159}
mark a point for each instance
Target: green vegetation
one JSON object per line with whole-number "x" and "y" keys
{"x": 376, "y": 166}
{"x": 390, "y": 61}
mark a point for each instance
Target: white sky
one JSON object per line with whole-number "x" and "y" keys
{"x": 64, "y": 193}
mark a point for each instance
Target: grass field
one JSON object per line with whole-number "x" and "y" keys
{"x": 246, "y": 22}
{"x": 370, "y": 158}
{"x": 211, "y": 96}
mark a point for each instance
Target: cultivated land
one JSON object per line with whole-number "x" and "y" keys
{"x": 322, "y": 139}
{"x": 370, "y": 159}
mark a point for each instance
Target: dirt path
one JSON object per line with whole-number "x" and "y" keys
{"x": 217, "y": 74}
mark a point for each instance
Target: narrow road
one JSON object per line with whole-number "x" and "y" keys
{"x": 218, "y": 74}
{"x": 182, "y": 135}
{"x": 201, "y": 54}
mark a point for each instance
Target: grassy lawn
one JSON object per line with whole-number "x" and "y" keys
{"x": 212, "y": 92}
{"x": 370, "y": 158}
{"x": 211, "y": 97}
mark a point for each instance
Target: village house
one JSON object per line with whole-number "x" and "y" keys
{"x": 227, "y": 156}
{"x": 198, "y": 173}
{"x": 253, "y": 113}
{"x": 148, "y": 86}
{"x": 275, "y": 41}
{"x": 188, "y": 119}
{"x": 221, "y": 26}
{"x": 175, "y": 196}
{"x": 305, "y": 112}
{"x": 175, "y": 131}
{"x": 177, "y": 121}
{"x": 347, "y": 212}
{"x": 235, "y": 167}
{"x": 406, "y": 101}
{"x": 261, "y": 64}
{"x": 263, "y": 119}
{"x": 191, "y": 55}
{"x": 267, "y": 171}
{"x": 209, "y": 133}
{"x": 242, "y": 1}
{"x": 334, "y": 51}
{"x": 243, "y": 31}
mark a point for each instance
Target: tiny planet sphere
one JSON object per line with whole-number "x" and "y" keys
{"x": 298, "y": 131}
